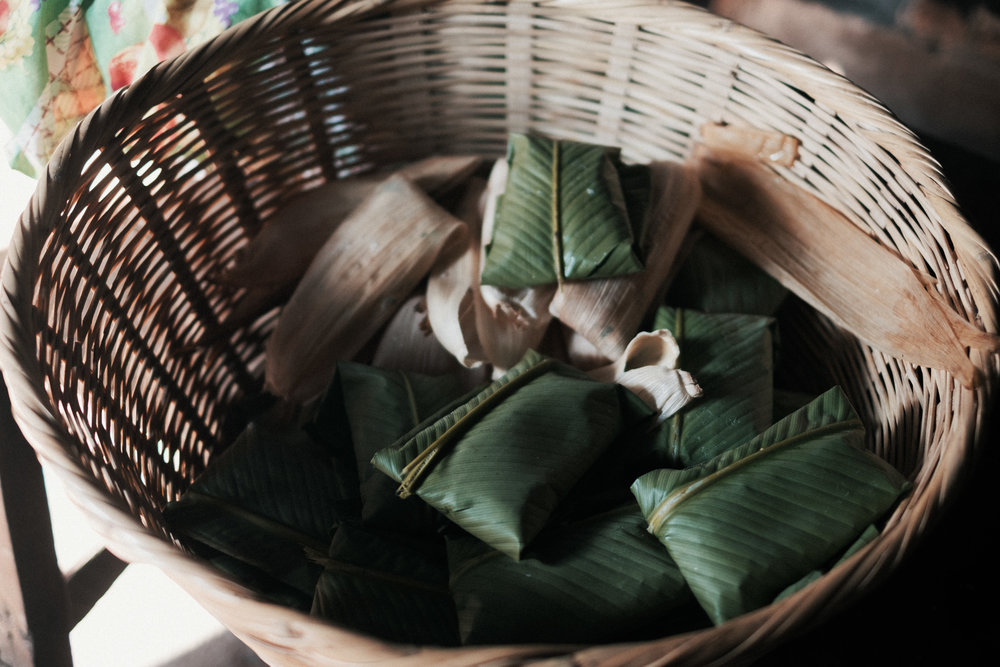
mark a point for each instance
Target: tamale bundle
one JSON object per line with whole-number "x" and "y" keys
{"x": 752, "y": 521}
{"x": 499, "y": 464}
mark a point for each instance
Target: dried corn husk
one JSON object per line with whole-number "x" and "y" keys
{"x": 408, "y": 344}
{"x": 453, "y": 291}
{"x": 609, "y": 311}
{"x": 370, "y": 264}
{"x": 580, "y": 352}
{"x": 834, "y": 266}
{"x": 753, "y": 142}
{"x": 438, "y": 174}
{"x": 648, "y": 367}
{"x": 281, "y": 251}
{"x": 509, "y": 321}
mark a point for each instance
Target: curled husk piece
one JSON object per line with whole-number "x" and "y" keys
{"x": 408, "y": 344}
{"x": 370, "y": 265}
{"x": 452, "y": 287}
{"x": 648, "y": 368}
{"x": 609, "y": 311}
{"x": 281, "y": 251}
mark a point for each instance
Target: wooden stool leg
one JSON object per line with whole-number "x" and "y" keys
{"x": 34, "y": 623}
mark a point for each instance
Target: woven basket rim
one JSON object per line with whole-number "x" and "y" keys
{"x": 134, "y": 543}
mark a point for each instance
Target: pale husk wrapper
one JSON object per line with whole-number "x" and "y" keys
{"x": 408, "y": 344}
{"x": 453, "y": 290}
{"x": 281, "y": 251}
{"x": 831, "y": 264}
{"x": 753, "y": 142}
{"x": 648, "y": 368}
{"x": 369, "y": 266}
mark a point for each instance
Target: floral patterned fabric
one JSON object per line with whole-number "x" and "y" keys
{"x": 61, "y": 58}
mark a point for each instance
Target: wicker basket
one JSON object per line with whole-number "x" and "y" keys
{"x": 108, "y": 274}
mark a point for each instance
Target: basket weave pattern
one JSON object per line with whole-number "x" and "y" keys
{"x": 110, "y": 273}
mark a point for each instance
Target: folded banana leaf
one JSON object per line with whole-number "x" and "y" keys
{"x": 757, "y": 518}
{"x": 869, "y": 534}
{"x": 829, "y": 410}
{"x": 714, "y": 278}
{"x": 599, "y": 579}
{"x": 268, "y": 501}
{"x": 378, "y": 407}
{"x": 499, "y": 464}
{"x": 564, "y": 214}
{"x": 392, "y": 586}
{"x": 731, "y": 356}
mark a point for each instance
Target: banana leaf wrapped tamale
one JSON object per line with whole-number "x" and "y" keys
{"x": 378, "y": 406}
{"x": 757, "y": 518}
{"x": 563, "y": 215}
{"x": 732, "y": 357}
{"x": 499, "y": 464}
{"x": 387, "y": 584}
{"x": 265, "y": 504}
{"x": 600, "y": 578}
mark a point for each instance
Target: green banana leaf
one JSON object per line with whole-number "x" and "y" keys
{"x": 499, "y": 464}
{"x": 388, "y": 585}
{"x": 751, "y": 522}
{"x": 730, "y": 355}
{"x": 869, "y": 534}
{"x": 267, "y": 501}
{"x": 264, "y": 586}
{"x": 714, "y": 278}
{"x": 637, "y": 188}
{"x": 564, "y": 215}
{"x": 830, "y": 410}
{"x": 600, "y": 579}
{"x": 377, "y": 407}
